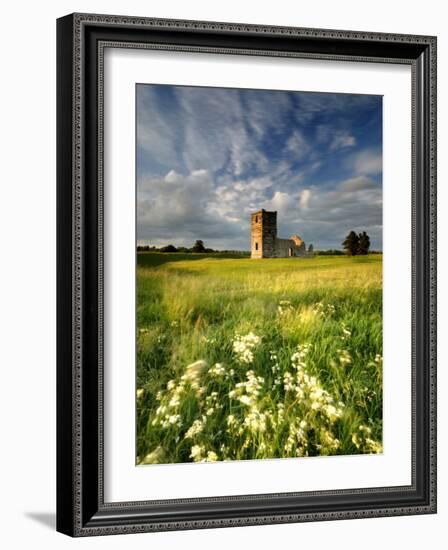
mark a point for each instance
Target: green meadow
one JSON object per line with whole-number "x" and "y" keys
{"x": 249, "y": 359}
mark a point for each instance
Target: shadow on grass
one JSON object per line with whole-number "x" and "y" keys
{"x": 154, "y": 259}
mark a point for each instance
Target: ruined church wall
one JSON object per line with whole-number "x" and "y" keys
{"x": 264, "y": 241}
{"x": 263, "y": 234}
{"x": 285, "y": 245}
{"x": 256, "y": 231}
{"x": 269, "y": 234}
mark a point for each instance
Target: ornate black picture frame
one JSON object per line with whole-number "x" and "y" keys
{"x": 81, "y": 509}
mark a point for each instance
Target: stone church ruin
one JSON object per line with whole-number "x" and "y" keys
{"x": 266, "y": 244}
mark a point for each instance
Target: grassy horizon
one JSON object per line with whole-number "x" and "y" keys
{"x": 248, "y": 359}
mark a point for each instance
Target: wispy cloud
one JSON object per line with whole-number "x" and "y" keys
{"x": 341, "y": 140}
{"x": 367, "y": 162}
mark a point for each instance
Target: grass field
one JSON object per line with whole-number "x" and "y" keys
{"x": 249, "y": 359}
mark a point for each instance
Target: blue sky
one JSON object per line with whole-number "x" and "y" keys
{"x": 208, "y": 157}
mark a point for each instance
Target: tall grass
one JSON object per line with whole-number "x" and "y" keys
{"x": 243, "y": 359}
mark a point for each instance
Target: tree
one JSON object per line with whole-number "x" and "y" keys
{"x": 198, "y": 247}
{"x": 351, "y": 244}
{"x": 364, "y": 243}
{"x": 169, "y": 248}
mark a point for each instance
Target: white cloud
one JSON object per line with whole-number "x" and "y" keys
{"x": 180, "y": 209}
{"x": 367, "y": 163}
{"x": 281, "y": 202}
{"x": 357, "y": 183}
{"x": 304, "y": 198}
{"x": 342, "y": 140}
{"x": 335, "y": 139}
{"x": 298, "y": 145}
{"x": 321, "y": 215}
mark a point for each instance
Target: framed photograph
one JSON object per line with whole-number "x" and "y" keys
{"x": 246, "y": 274}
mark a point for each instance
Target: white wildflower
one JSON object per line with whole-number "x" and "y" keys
{"x": 298, "y": 357}
{"x": 288, "y": 381}
{"x": 332, "y": 412}
{"x": 245, "y": 399}
{"x": 243, "y": 347}
{"x": 346, "y": 333}
{"x": 328, "y": 440}
{"x": 197, "y": 452}
{"x": 174, "y": 419}
{"x": 255, "y": 421}
{"x": 217, "y": 370}
{"x": 344, "y": 357}
{"x": 284, "y": 307}
{"x": 231, "y": 420}
{"x": 194, "y": 429}
{"x": 211, "y": 457}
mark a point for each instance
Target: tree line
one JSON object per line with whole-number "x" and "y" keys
{"x": 356, "y": 244}
{"x": 197, "y": 248}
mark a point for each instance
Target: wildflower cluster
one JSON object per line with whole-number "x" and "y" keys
{"x": 308, "y": 411}
{"x": 200, "y": 454}
{"x": 248, "y": 391}
{"x": 344, "y": 357}
{"x": 224, "y": 412}
{"x": 218, "y": 370}
{"x": 309, "y": 389}
{"x": 323, "y": 310}
{"x": 284, "y": 307}
{"x": 363, "y": 441}
{"x": 253, "y": 419}
{"x": 168, "y": 415}
{"x": 196, "y": 428}
{"x": 243, "y": 347}
{"x": 275, "y": 368}
{"x": 346, "y": 333}
{"x": 168, "y": 412}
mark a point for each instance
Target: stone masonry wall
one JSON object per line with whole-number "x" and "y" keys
{"x": 256, "y": 232}
{"x": 288, "y": 248}
{"x": 263, "y": 234}
{"x": 269, "y": 220}
{"x": 264, "y": 241}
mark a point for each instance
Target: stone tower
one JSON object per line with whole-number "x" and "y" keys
{"x": 263, "y": 226}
